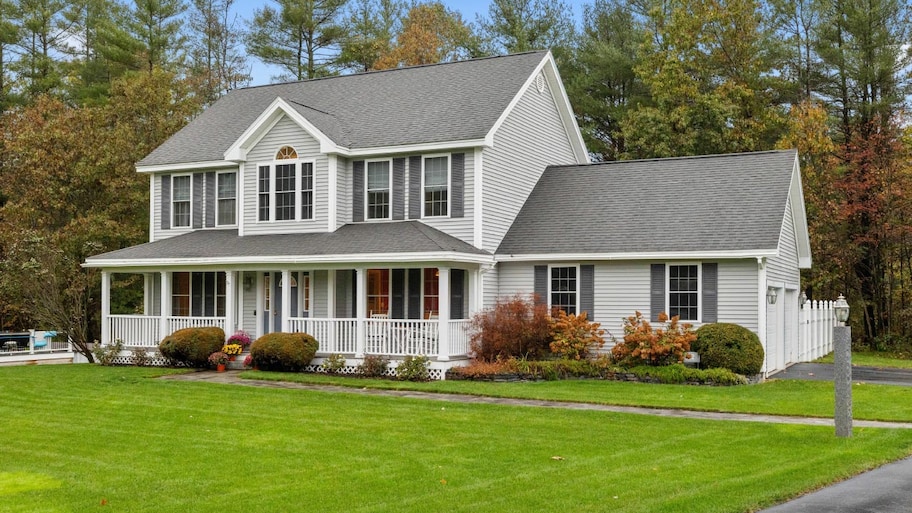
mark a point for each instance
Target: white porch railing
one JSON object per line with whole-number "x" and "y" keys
{"x": 459, "y": 336}
{"x": 135, "y": 330}
{"x": 333, "y": 335}
{"x": 816, "y": 320}
{"x": 179, "y": 323}
{"x": 391, "y": 337}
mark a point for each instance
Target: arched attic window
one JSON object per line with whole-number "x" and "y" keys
{"x": 286, "y": 153}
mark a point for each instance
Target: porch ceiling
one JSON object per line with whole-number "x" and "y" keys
{"x": 388, "y": 241}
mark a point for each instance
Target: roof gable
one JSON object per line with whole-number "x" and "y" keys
{"x": 428, "y": 105}
{"x": 717, "y": 205}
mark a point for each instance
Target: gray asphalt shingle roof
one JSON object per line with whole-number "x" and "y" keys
{"x": 352, "y": 239}
{"x": 709, "y": 203}
{"x": 423, "y": 104}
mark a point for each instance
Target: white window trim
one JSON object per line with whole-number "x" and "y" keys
{"x": 577, "y": 293}
{"x": 449, "y": 184}
{"x": 668, "y": 266}
{"x": 389, "y": 184}
{"x": 190, "y": 201}
{"x": 217, "y": 199}
{"x": 299, "y": 175}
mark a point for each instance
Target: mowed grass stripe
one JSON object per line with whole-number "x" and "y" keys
{"x": 141, "y": 444}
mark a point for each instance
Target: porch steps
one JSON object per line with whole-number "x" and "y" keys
{"x": 238, "y": 363}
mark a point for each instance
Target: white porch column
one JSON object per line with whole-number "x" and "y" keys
{"x": 761, "y": 313}
{"x": 165, "y": 304}
{"x": 148, "y": 283}
{"x": 361, "y": 313}
{"x": 443, "y": 318}
{"x": 105, "y": 308}
{"x": 261, "y": 315}
{"x": 286, "y": 299}
{"x": 230, "y": 303}
{"x": 474, "y": 285}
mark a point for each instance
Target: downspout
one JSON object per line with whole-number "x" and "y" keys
{"x": 761, "y": 313}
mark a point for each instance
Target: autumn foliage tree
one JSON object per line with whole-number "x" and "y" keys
{"x": 431, "y": 33}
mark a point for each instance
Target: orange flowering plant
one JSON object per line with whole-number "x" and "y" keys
{"x": 574, "y": 337}
{"x": 660, "y": 346}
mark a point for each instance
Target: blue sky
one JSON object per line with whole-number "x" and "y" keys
{"x": 469, "y": 9}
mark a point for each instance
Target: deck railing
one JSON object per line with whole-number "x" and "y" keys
{"x": 459, "y": 336}
{"x": 816, "y": 321}
{"x": 179, "y": 323}
{"x": 135, "y": 330}
{"x": 333, "y": 335}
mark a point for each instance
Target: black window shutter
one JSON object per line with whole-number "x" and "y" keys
{"x": 197, "y": 201}
{"x": 457, "y": 294}
{"x": 166, "y": 202}
{"x": 656, "y": 291}
{"x": 587, "y": 290}
{"x": 341, "y": 286}
{"x": 457, "y": 209}
{"x": 210, "y": 200}
{"x": 354, "y": 292}
{"x": 414, "y": 294}
{"x": 357, "y": 191}
{"x": 415, "y": 202}
{"x": 398, "y": 293}
{"x": 399, "y": 188}
{"x": 196, "y": 294}
{"x": 710, "y": 292}
{"x": 541, "y": 284}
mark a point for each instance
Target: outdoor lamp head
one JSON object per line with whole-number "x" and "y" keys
{"x": 771, "y": 295}
{"x": 842, "y": 309}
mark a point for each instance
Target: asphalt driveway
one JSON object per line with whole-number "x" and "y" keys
{"x": 824, "y": 372}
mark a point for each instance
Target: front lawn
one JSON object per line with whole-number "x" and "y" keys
{"x": 775, "y": 397}
{"x": 87, "y": 438}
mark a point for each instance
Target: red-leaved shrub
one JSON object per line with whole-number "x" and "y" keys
{"x": 575, "y": 337}
{"x": 518, "y": 326}
{"x": 644, "y": 345}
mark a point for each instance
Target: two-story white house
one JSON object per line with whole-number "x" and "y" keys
{"x": 373, "y": 211}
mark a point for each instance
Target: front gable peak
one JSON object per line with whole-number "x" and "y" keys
{"x": 278, "y": 109}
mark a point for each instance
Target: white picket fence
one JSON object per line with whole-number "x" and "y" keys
{"x": 816, "y": 320}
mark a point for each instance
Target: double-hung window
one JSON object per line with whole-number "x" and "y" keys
{"x": 436, "y": 186}
{"x": 285, "y": 188}
{"x": 563, "y": 288}
{"x": 181, "y": 192}
{"x": 226, "y": 186}
{"x": 684, "y": 292}
{"x": 378, "y": 189}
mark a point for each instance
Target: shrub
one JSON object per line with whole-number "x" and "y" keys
{"x": 644, "y": 345}
{"x": 192, "y": 346}
{"x": 141, "y": 356}
{"x": 334, "y": 364}
{"x": 283, "y": 351}
{"x": 729, "y": 346}
{"x": 373, "y": 366}
{"x": 413, "y": 368}
{"x": 678, "y": 374}
{"x": 105, "y": 355}
{"x": 517, "y": 327}
{"x": 574, "y": 336}
{"x": 218, "y": 358}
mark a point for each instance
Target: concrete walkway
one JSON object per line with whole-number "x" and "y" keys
{"x": 233, "y": 378}
{"x": 824, "y": 372}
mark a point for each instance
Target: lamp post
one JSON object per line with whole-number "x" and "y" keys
{"x": 842, "y": 380}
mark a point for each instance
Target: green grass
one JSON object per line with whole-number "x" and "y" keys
{"x": 872, "y": 359}
{"x": 775, "y": 397}
{"x": 78, "y": 437}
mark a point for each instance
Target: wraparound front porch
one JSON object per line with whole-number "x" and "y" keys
{"x": 393, "y": 311}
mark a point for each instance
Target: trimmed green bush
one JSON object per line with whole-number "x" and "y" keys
{"x": 191, "y": 347}
{"x": 729, "y": 346}
{"x": 677, "y": 374}
{"x": 373, "y": 366}
{"x": 283, "y": 351}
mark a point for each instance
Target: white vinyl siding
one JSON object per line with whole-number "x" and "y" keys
{"x": 738, "y": 292}
{"x": 530, "y": 138}
{"x": 286, "y": 133}
{"x": 318, "y": 285}
{"x": 784, "y": 267}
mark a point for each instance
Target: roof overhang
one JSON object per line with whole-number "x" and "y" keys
{"x": 548, "y": 68}
{"x": 799, "y": 218}
{"x": 646, "y": 255}
{"x": 184, "y": 166}
{"x": 260, "y": 262}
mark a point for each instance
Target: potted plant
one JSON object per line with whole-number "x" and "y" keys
{"x": 232, "y": 350}
{"x": 248, "y": 361}
{"x": 219, "y": 359}
{"x": 241, "y": 338}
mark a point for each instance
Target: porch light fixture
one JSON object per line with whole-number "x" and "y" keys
{"x": 248, "y": 282}
{"x": 771, "y": 295}
{"x": 842, "y": 309}
{"x": 802, "y": 299}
